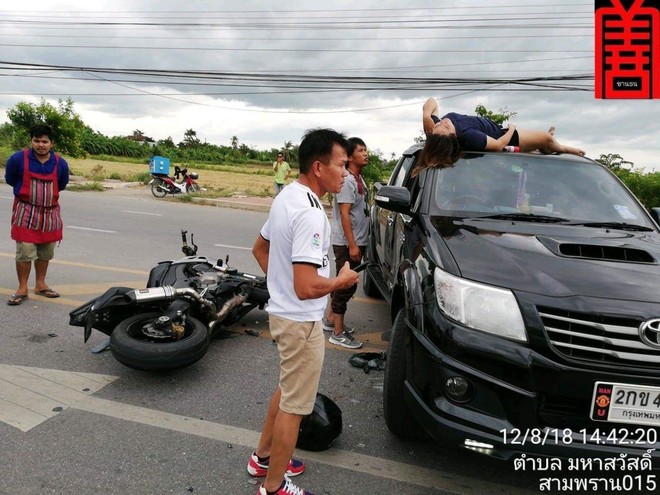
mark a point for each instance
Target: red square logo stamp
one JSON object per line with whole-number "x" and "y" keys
{"x": 627, "y": 49}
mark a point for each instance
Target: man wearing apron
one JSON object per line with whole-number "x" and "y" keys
{"x": 37, "y": 176}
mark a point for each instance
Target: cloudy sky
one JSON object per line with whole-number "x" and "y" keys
{"x": 266, "y": 71}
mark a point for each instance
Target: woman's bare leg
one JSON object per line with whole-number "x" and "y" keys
{"x": 544, "y": 142}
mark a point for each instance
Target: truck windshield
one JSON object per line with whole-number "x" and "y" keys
{"x": 545, "y": 187}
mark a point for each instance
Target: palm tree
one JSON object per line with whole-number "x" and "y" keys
{"x": 288, "y": 146}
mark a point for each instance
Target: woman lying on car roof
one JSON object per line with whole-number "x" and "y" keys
{"x": 448, "y": 136}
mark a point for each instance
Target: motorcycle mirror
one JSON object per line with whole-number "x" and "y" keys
{"x": 227, "y": 260}
{"x": 219, "y": 262}
{"x": 192, "y": 241}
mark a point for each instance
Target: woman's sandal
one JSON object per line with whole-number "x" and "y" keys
{"x": 17, "y": 299}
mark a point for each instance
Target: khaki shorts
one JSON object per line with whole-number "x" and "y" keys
{"x": 26, "y": 251}
{"x": 302, "y": 347}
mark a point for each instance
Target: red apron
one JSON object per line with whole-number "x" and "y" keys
{"x": 36, "y": 213}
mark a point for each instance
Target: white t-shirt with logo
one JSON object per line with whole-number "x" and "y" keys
{"x": 299, "y": 232}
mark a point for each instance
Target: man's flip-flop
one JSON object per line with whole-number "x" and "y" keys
{"x": 47, "y": 293}
{"x": 17, "y": 299}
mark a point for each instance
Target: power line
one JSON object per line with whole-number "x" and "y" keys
{"x": 315, "y": 50}
{"x": 297, "y": 38}
{"x": 481, "y": 7}
{"x": 574, "y": 82}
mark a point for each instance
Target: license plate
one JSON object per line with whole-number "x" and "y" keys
{"x": 623, "y": 403}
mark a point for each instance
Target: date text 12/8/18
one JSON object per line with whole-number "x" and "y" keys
{"x": 557, "y": 436}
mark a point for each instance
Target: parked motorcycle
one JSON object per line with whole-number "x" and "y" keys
{"x": 161, "y": 184}
{"x": 169, "y": 324}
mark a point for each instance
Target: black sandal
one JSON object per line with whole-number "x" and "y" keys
{"x": 17, "y": 299}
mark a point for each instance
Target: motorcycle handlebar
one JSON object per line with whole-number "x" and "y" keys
{"x": 248, "y": 277}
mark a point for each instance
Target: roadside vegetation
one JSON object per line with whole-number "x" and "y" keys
{"x": 234, "y": 169}
{"x": 224, "y": 170}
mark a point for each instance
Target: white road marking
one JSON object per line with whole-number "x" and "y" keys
{"x": 30, "y": 396}
{"x": 233, "y": 247}
{"x": 93, "y": 230}
{"x": 142, "y": 213}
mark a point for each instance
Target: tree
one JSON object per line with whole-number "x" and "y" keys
{"x": 615, "y": 162}
{"x": 286, "y": 149}
{"x": 645, "y": 186}
{"x": 190, "y": 139}
{"x": 65, "y": 122}
{"x": 166, "y": 143}
{"x": 499, "y": 118}
{"x": 234, "y": 142}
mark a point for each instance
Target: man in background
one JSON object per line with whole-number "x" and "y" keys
{"x": 282, "y": 171}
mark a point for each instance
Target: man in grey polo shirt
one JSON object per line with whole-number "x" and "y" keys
{"x": 350, "y": 233}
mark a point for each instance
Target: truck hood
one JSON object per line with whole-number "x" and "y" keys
{"x": 556, "y": 260}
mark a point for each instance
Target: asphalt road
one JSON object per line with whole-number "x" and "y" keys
{"x": 79, "y": 423}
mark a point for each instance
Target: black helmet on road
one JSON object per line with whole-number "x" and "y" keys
{"x": 320, "y": 429}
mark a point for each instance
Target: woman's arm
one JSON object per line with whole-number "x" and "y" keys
{"x": 493, "y": 144}
{"x": 429, "y": 108}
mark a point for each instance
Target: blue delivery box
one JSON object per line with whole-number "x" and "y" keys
{"x": 159, "y": 165}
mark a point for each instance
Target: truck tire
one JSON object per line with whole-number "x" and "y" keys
{"x": 398, "y": 418}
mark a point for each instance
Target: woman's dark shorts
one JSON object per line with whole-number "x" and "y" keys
{"x": 515, "y": 139}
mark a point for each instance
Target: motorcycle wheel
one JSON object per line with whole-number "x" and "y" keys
{"x": 193, "y": 188}
{"x": 131, "y": 348}
{"x": 157, "y": 189}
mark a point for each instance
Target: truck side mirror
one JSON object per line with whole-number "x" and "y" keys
{"x": 655, "y": 213}
{"x": 393, "y": 198}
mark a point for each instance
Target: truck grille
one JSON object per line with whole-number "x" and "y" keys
{"x": 597, "y": 338}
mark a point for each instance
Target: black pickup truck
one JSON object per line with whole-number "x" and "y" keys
{"x": 525, "y": 295}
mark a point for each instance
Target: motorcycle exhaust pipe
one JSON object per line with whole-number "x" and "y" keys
{"x": 235, "y": 301}
{"x": 166, "y": 293}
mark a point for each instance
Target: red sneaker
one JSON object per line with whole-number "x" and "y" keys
{"x": 286, "y": 488}
{"x": 259, "y": 469}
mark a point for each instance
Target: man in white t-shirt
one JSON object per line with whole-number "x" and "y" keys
{"x": 293, "y": 250}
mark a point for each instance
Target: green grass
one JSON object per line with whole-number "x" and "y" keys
{"x": 218, "y": 181}
{"x": 120, "y": 159}
{"x": 89, "y": 186}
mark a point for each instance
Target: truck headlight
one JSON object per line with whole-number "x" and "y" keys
{"x": 479, "y": 306}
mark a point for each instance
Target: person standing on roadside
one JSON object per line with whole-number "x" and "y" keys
{"x": 282, "y": 171}
{"x": 37, "y": 175}
{"x": 292, "y": 249}
{"x": 350, "y": 233}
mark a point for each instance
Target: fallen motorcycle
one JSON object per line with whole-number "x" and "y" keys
{"x": 169, "y": 324}
{"x": 162, "y": 184}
